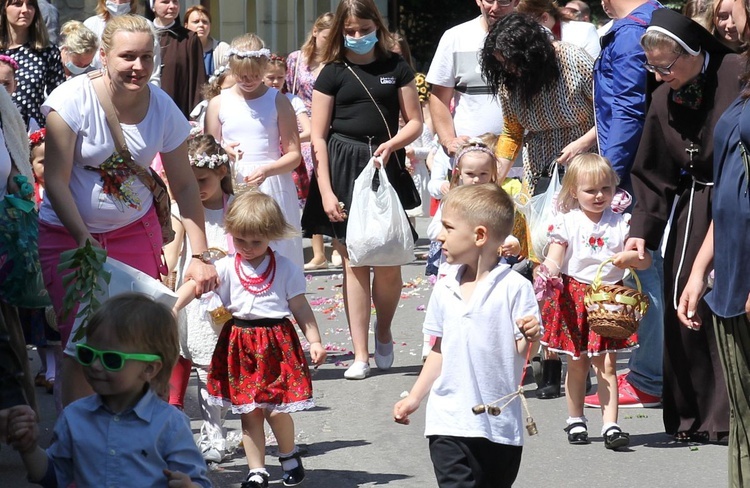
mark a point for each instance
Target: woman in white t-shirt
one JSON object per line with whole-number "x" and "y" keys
{"x": 92, "y": 194}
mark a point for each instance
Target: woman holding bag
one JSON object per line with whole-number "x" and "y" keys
{"x": 366, "y": 87}
{"x": 93, "y": 195}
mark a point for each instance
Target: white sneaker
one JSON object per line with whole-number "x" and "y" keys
{"x": 213, "y": 455}
{"x": 359, "y": 370}
{"x": 383, "y": 361}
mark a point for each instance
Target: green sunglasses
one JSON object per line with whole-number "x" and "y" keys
{"x": 111, "y": 360}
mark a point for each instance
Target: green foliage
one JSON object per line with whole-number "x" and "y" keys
{"x": 83, "y": 282}
{"x": 424, "y": 22}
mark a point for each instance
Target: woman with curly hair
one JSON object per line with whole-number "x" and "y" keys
{"x": 545, "y": 89}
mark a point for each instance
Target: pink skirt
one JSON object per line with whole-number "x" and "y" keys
{"x": 138, "y": 245}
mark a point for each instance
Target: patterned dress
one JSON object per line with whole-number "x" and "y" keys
{"x": 588, "y": 244}
{"x": 300, "y": 80}
{"x": 553, "y": 119}
{"x": 39, "y": 72}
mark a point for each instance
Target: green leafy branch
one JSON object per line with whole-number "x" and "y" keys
{"x": 83, "y": 282}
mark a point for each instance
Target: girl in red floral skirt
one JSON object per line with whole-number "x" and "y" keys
{"x": 585, "y": 233}
{"x": 259, "y": 367}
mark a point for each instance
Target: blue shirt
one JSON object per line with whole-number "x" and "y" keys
{"x": 731, "y": 214}
{"x": 620, "y": 90}
{"x": 93, "y": 447}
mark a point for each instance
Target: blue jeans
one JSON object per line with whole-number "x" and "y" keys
{"x": 646, "y": 362}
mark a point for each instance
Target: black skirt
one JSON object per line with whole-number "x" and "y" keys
{"x": 347, "y": 158}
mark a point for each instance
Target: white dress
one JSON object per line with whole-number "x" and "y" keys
{"x": 198, "y": 334}
{"x": 255, "y": 125}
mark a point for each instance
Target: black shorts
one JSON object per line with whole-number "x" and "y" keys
{"x": 473, "y": 462}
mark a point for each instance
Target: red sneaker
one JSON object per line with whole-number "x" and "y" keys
{"x": 628, "y": 396}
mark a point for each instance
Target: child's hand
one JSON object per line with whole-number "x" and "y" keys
{"x": 511, "y": 247}
{"x": 233, "y": 151}
{"x": 403, "y": 409}
{"x": 23, "y": 431}
{"x": 257, "y": 177}
{"x": 317, "y": 353}
{"x": 529, "y": 327}
{"x": 177, "y": 479}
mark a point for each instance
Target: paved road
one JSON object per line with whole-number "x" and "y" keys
{"x": 351, "y": 440}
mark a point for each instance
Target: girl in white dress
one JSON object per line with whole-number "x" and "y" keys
{"x": 260, "y": 124}
{"x": 198, "y": 334}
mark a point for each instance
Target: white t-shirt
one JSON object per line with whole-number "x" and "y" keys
{"x": 273, "y": 303}
{"x": 297, "y": 104}
{"x": 588, "y": 244}
{"x": 5, "y": 166}
{"x": 456, "y": 64}
{"x": 480, "y": 361}
{"x": 583, "y": 35}
{"x": 105, "y": 207}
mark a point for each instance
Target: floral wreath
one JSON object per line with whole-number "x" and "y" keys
{"x": 37, "y": 137}
{"x": 9, "y": 61}
{"x": 205, "y": 161}
{"x": 219, "y": 71}
{"x": 260, "y": 53}
{"x": 276, "y": 57}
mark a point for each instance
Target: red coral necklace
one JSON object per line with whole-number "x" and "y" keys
{"x": 258, "y": 284}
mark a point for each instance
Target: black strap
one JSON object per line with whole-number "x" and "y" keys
{"x": 259, "y": 322}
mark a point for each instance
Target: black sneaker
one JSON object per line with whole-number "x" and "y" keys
{"x": 254, "y": 483}
{"x": 294, "y": 476}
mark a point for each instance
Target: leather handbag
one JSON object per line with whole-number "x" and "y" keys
{"x": 149, "y": 178}
{"x": 404, "y": 185}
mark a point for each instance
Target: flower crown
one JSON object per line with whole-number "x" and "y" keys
{"x": 219, "y": 71}
{"x": 36, "y": 138}
{"x": 249, "y": 54}
{"x": 205, "y": 161}
{"x": 473, "y": 145}
{"x": 9, "y": 61}
{"x": 276, "y": 57}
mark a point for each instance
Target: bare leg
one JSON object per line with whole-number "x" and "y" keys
{"x": 575, "y": 385}
{"x": 254, "y": 439}
{"x": 606, "y": 373}
{"x": 318, "y": 249}
{"x": 74, "y": 385}
{"x": 386, "y": 292}
{"x": 357, "y": 303}
{"x": 282, "y": 426}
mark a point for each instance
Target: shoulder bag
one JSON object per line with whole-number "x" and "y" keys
{"x": 149, "y": 178}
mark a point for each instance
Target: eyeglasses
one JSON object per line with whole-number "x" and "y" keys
{"x": 662, "y": 70}
{"x": 111, "y": 360}
{"x": 501, "y": 3}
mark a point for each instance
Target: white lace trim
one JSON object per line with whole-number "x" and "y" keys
{"x": 589, "y": 354}
{"x": 272, "y": 407}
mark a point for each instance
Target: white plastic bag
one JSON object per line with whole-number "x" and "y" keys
{"x": 539, "y": 211}
{"x": 377, "y": 231}
{"x": 125, "y": 279}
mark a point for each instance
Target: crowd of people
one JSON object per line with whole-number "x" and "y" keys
{"x": 641, "y": 119}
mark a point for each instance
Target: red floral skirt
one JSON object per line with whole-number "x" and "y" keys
{"x": 566, "y": 328}
{"x": 260, "y": 367}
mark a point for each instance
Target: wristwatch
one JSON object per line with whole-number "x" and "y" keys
{"x": 205, "y": 256}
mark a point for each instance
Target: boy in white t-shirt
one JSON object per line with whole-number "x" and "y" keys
{"x": 485, "y": 317}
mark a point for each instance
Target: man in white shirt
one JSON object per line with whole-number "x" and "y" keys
{"x": 456, "y": 79}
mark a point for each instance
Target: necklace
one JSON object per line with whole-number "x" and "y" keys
{"x": 259, "y": 284}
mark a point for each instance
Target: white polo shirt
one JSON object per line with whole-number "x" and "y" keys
{"x": 480, "y": 359}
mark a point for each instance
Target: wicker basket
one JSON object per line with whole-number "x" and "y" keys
{"x": 614, "y": 311}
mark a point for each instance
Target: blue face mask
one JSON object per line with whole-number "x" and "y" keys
{"x": 361, "y": 45}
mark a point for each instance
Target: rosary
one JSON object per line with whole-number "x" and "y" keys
{"x": 493, "y": 409}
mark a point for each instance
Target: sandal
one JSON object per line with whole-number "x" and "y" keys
{"x": 691, "y": 436}
{"x": 579, "y": 438}
{"x": 615, "y": 438}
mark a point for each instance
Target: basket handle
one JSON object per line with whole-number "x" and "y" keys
{"x": 598, "y": 278}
